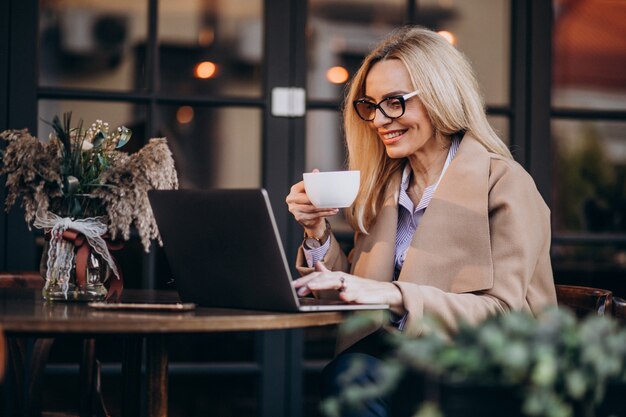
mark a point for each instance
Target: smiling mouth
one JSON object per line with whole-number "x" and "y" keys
{"x": 392, "y": 137}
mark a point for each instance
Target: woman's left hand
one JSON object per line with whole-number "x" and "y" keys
{"x": 352, "y": 289}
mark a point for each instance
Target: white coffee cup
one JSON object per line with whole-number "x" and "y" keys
{"x": 332, "y": 189}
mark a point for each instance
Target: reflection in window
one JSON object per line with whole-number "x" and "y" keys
{"x": 211, "y": 47}
{"x": 92, "y": 44}
{"x": 589, "y": 49}
{"x": 212, "y": 147}
{"x": 341, "y": 33}
{"x": 590, "y": 168}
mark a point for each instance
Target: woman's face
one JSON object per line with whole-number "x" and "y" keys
{"x": 406, "y": 135}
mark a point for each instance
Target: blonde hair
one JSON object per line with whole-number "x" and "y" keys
{"x": 448, "y": 90}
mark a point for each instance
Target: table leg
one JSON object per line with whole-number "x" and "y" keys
{"x": 87, "y": 377}
{"x": 280, "y": 353}
{"x": 131, "y": 377}
{"x": 156, "y": 375}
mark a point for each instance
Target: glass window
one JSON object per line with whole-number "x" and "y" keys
{"x": 325, "y": 145}
{"x": 211, "y": 47}
{"x": 501, "y": 126}
{"x": 341, "y": 33}
{"x": 92, "y": 44}
{"x": 589, "y": 54}
{"x": 482, "y": 30}
{"x": 600, "y": 266}
{"x": 590, "y": 176}
{"x": 212, "y": 147}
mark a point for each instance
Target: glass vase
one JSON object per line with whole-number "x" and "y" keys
{"x": 60, "y": 275}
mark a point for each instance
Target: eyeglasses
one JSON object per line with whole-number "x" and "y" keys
{"x": 391, "y": 107}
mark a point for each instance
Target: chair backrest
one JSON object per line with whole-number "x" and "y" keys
{"x": 619, "y": 308}
{"x": 585, "y": 300}
{"x": 24, "y": 279}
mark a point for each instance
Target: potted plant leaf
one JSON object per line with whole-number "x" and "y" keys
{"x": 513, "y": 364}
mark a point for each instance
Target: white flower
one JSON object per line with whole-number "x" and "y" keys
{"x": 87, "y": 146}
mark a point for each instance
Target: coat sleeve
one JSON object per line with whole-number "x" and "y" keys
{"x": 335, "y": 259}
{"x": 519, "y": 233}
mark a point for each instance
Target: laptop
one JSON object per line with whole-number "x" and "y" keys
{"x": 224, "y": 250}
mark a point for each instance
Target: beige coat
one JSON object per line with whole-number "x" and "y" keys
{"x": 482, "y": 246}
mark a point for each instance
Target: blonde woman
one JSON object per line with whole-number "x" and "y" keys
{"x": 446, "y": 222}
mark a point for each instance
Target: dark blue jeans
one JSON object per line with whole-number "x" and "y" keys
{"x": 370, "y": 352}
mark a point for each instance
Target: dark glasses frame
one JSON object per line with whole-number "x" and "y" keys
{"x": 402, "y": 99}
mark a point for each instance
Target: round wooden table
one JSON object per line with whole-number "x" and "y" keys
{"x": 25, "y": 313}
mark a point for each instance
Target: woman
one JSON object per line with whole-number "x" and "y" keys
{"x": 446, "y": 222}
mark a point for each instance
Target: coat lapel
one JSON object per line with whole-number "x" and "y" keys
{"x": 374, "y": 253}
{"x": 451, "y": 249}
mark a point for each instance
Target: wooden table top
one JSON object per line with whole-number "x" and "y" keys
{"x": 25, "y": 312}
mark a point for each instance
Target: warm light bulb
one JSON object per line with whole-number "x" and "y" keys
{"x": 449, "y": 36}
{"x": 205, "y": 69}
{"x": 184, "y": 114}
{"x": 337, "y": 75}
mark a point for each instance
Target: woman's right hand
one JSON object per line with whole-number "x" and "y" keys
{"x": 310, "y": 217}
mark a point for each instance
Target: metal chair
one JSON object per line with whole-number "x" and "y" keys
{"x": 585, "y": 300}
{"x": 30, "y": 403}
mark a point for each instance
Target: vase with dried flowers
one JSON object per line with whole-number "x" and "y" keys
{"x": 86, "y": 194}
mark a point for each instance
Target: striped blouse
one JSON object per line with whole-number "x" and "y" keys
{"x": 409, "y": 215}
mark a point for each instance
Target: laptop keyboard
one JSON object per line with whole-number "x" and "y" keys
{"x": 310, "y": 301}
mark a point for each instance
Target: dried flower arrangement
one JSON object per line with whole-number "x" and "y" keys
{"x": 79, "y": 179}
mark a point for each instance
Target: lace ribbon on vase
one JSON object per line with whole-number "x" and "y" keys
{"x": 61, "y": 252}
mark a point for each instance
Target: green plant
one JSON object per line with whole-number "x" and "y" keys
{"x": 556, "y": 364}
